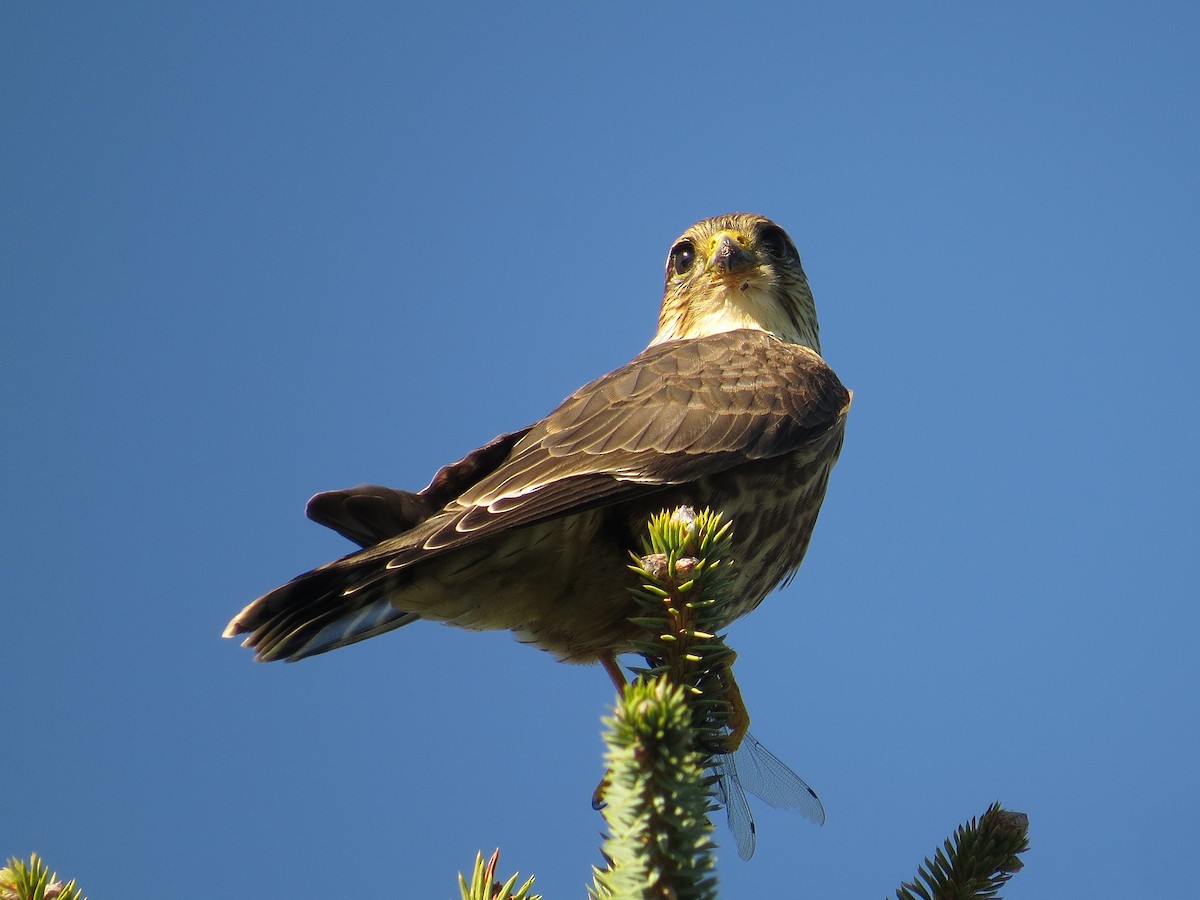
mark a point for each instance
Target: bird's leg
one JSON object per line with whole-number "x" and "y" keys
{"x": 613, "y": 668}
{"x": 598, "y": 801}
{"x": 739, "y": 716}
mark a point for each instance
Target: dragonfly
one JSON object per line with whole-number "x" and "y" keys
{"x": 754, "y": 768}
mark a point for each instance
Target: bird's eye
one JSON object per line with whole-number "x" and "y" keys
{"x": 778, "y": 244}
{"x": 683, "y": 257}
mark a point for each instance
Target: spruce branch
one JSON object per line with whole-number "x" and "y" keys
{"x": 658, "y": 846}
{"x": 34, "y": 881}
{"x": 686, "y": 575}
{"x": 980, "y": 860}
{"x": 661, "y": 740}
{"x": 483, "y": 884}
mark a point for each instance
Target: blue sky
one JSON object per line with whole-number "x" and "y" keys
{"x": 253, "y": 251}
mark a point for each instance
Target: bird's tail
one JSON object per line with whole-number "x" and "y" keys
{"x": 347, "y": 600}
{"x": 318, "y": 611}
{"x": 343, "y": 602}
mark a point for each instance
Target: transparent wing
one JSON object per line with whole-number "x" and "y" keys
{"x": 754, "y": 768}
{"x": 737, "y": 808}
{"x": 767, "y": 777}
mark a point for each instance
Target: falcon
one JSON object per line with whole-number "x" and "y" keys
{"x": 730, "y": 407}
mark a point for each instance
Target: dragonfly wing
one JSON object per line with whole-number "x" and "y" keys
{"x": 767, "y": 777}
{"x": 737, "y": 808}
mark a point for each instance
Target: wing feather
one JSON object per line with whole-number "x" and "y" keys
{"x": 371, "y": 513}
{"x": 679, "y": 411}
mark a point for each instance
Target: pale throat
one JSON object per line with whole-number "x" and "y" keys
{"x": 753, "y": 308}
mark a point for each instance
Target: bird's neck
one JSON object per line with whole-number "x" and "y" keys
{"x": 730, "y": 310}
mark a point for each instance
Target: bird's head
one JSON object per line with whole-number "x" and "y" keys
{"x": 736, "y": 271}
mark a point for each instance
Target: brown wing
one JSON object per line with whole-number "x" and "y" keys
{"x": 371, "y": 513}
{"x": 679, "y": 411}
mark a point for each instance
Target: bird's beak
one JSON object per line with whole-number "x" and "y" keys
{"x": 728, "y": 256}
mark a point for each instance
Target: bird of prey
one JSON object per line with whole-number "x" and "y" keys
{"x": 730, "y": 407}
